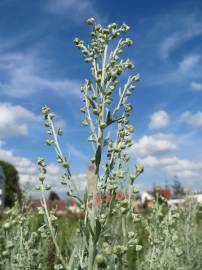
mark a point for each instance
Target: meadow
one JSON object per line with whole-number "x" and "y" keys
{"x": 159, "y": 238}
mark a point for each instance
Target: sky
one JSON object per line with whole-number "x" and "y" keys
{"x": 39, "y": 65}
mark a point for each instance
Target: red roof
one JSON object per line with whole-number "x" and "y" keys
{"x": 166, "y": 193}
{"x": 119, "y": 196}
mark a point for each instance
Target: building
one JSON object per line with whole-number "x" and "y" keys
{"x": 2, "y": 187}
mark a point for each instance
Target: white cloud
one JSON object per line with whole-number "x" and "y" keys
{"x": 189, "y": 62}
{"x": 196, "y": 86}
{"x": 178, "y": 29}
{"x": 28, "y": 173}
{"x": 157, "y": 153}
{"x": 25, "y": 76}
{"x": 173, "y": 166}
{"x": 192, "y": 119}
{"x": 82, "y": 9}
{"x": 159, "y": 120}
{"x": 153, "y": 145}
{"x": 27, "y": 170}
{"x": 14, "y": 120}
{"x": 76, "y": 153}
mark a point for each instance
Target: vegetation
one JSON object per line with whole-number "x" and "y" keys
{"x": 12, "y": 188}
{"x": 110, "y": 235}
{"x": 53, "y": 196}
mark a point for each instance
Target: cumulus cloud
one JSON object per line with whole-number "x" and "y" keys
{"x": 196, "y": 86}
{"x": 153, "y": 145}
{"x": 28, "y": 173}
{"x": 25, "y": 76}
{"x": 173, "y": 166}
{"x": 26, "y": 168}
{"x": 14, "y": 120}
{"x": 192, "y": 119}
{"x": 157, "y": 153}
{"x": 159, "y": 120}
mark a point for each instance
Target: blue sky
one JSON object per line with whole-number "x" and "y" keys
{"x": 40, "y": 65}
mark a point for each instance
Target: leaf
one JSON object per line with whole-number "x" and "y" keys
{"x": 98, "y": 157}
{"x": 85, "y": 198}
{"x": 108, "y": 119}
{"x": 91, "y": 102}
{"x": 98, "y": 229}
{"x": 91, "y": 231}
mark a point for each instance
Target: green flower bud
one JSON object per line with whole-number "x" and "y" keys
{"x": 135, "y": 217}
{"x": 136, "y": 77}
{"x": 5, "y": 253}
{"x": 91, "y": 138}
{"x": 178, "y": 251}
{"x": 132, "y": 87}
{"x": 128, "y": 108}
{"x": 100, "y": 259}
{"x": 59, "y": 132}
{"x": 138, "y": 248}
{"x": 131, "y": 235}
{"x": 50, "y": 132}
{"x": 83, "y": 110}
{"x": 129, "y": 42}
{"x": 38, "y": 187}
{"x": 125, "y": 27}
{"x": 77, "y": 41}
{"x": 131, "y": 65}
{"x": 108, "y": 101}
{"x": 105, "y": 31}
{"x": 128, "y": 93}
{"x": 139, "y": 168}
{"x": 124, "y": 203}
{"x": 114, "y": 25}
{"x": 90, "y": 21}
{"x": 42, "y": 177}
{"x": 51, "y": 115}
{"x": 46, "y": 124}
{"x": 85, "y": 123}
{"x": 120, "y": 174}
{"x": 135, "y": 190}
{"x": 63, "y": 181}
{"x": 7, "y": 225}
{"x": 49, "y": 142}
{"x": 65, "y": 165}
{"x": 92, "y": 159}
{"x": 45, "y": 110}
{"x": 133, "y": 176}
{"x": 88, "y": 60}
{"x": 48, "y": 187}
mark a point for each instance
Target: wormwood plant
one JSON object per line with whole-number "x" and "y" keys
{"x": 20, "y": 247}
{"x": 106, "y": 109}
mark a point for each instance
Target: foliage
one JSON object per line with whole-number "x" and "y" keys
{"x": 12, "y": 189}
{"x": 53, "y": 196}
{"x": 177, "y": 187}
{"x": 103, "y": 111}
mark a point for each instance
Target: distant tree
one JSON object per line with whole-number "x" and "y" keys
{"x": 158, "y": 196}
{"x": 12, "y": 188}
{"x": 53, "y": 196}
{"x": 178, "y": 189}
